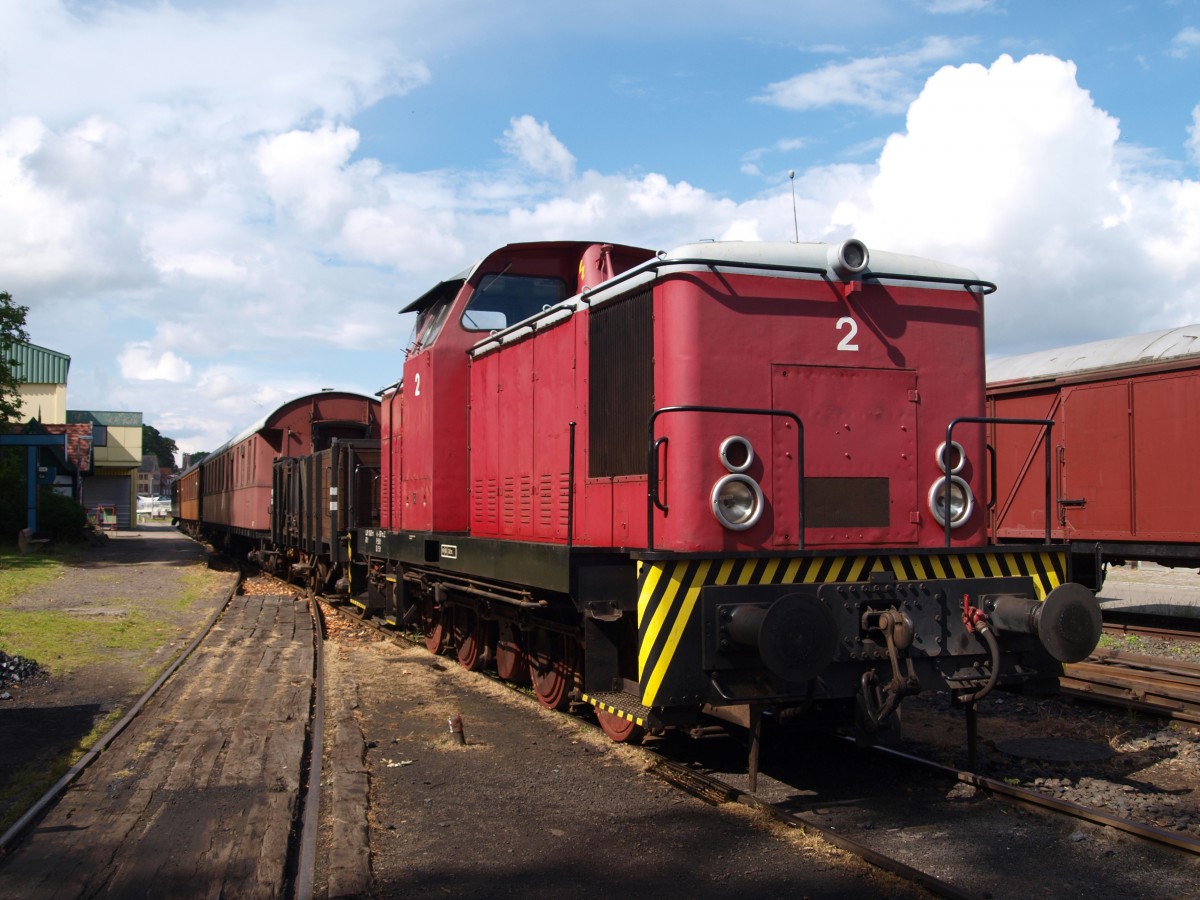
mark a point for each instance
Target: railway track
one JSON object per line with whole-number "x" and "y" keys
{"x": 783, "y": 786}
{"x": 1144, "y": 684}
{"x": 205, "y": 782}
{"x": 1118, "y": 622}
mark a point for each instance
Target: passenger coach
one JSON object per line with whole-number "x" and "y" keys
{"x": 227, "y": 496}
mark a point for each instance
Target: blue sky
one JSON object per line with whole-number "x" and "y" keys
{"x": 216, "y": 206}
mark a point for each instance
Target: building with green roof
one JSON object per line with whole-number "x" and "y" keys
{"x": 43, "y": 377}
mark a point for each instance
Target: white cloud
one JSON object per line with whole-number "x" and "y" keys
{"x": 1184, "y": 43}
{"x": 52, "y": 230}
{"x": 1013, "y": 170}
{"x": 954, "y": 7}
{"x": 141, "y": 362}
{"x": 535, "y": 146}
{"x": 884, "y": 84}
{"x": 223, "y": 229}
{"x": 304, "y": 172}
{"x": 219, "y": 71}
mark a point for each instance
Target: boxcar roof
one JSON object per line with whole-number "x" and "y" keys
{"x": 1134, "y": 351}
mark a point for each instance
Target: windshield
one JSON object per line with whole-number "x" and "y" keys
{"x": 429, "y": 323}
{"x": 502, "y": 299}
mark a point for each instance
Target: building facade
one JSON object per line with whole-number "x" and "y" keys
{"x": 116, "y": 457}
{"x": 43, "y": 388}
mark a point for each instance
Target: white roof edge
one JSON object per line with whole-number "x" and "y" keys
{"x": 816, "y": 254}
{"x": 1144, "y": 349}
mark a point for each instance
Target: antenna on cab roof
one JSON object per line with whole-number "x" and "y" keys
{"x": 795, "y": 218}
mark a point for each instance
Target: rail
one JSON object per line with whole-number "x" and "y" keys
{"x": 18, "y": 828}
{"x": 1153, "y": 685}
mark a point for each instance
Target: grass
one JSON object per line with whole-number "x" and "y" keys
{"x": 1130, "y": 643}
{"x": 23, "y": 572}
{"x": 63, "y": 643}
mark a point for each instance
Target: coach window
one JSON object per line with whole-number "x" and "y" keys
{"x": 502, "y": 300}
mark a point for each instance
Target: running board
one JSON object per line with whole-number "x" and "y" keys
{"x": 625, "y": 706}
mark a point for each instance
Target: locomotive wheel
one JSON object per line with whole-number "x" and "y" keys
{"x": 433, "y": 623}
{"x": 468, "y": 640}
{"x": 551, "y": 668}
{"x": 511, "y": 664}
{"x": 620, "y": 730}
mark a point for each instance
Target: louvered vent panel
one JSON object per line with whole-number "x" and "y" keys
{"x": 620, "y": 385}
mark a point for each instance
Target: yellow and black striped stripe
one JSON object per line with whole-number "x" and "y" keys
{"x": 609, "y": 708}
{"x": 669, "y": 590}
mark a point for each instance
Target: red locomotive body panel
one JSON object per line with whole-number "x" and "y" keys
{"x": 391, "y": 454}
{"x": 1126, "y": 415}
{"x": 874, "y": 374}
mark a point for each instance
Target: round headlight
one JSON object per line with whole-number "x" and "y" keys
{"x": 961, "y": 502}
{"x": 736, "y": 453}
{"x": 954, "y": 457}
{"x": 737, "y": 501}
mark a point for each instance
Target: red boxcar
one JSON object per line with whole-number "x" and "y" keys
{"x": 709, "y": 481}
{"x": 1126, "y": 416}
{"x": 235, "y": 479}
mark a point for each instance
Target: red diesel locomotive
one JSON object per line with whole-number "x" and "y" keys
{"x": 728, "y": 480}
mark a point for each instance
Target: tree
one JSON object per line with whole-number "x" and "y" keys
{"x": 12, "y": 331}
{"x": 162, "y": 447}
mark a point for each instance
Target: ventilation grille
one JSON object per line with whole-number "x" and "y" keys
{"x": 620, "y": 385}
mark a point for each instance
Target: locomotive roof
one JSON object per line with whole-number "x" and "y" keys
{"x": 800, "y": 260}
{"x": 816, "y": 255}
{"x": 1139, "y": 350}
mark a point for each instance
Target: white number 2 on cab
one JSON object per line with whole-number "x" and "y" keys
{"x": 417, "y": 384}
{"x": 851, "y": 330}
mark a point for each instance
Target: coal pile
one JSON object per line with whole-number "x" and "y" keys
{"x": 15, "y": 669}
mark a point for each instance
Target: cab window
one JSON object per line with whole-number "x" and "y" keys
{"x": 429, "y": 323}
{"x": 502, "y": 300}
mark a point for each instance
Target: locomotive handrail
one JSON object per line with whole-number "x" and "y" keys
{"x": 652, "y": 445}
{"x": 571, "y": 484}
{"x": 985, "y": 287}
{"x": 661, "y": 442}
{"x": 1048, "y": 424}
{"x": 659, "y": 262}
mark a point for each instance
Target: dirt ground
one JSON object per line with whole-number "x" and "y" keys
{"x": 532, "y": 803}
{"x": 44, "y": 720}
{"x": 536, "y": 805}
